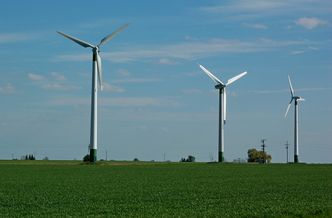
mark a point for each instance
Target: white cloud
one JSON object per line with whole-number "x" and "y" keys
{"x": 15, "y": 37}
{"x": 123, "y": 72}
{"x": 248, "y": 6}
{"x": 188, "y": 50}
{"x": 59, "y": 87}
{"x": 310, "y": 22}
{"x": 52, "y": 81}
{"x": 111, "y": 88}
{"x": 165, "y": 61}
{"x": 287, "y": 90}
{"x": 121, "y": 101}
{"x": 255, "y": 25}
{"x": 136, "y": 80}
{"x": 139, "y": 101}
{"x": 58, "y": 76}
{"x": 7, "y": 89}
{"x": 304, "y": 50}
{"x": 35, "y": 77}
{"x": 298, "y": 52}
{"x": 192, "y": 91}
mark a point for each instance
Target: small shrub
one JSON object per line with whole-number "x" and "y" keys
{"x": 86, "y": 158}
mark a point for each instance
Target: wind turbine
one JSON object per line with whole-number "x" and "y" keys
{"x": 96, "y": 79}
{"x": 296, "y": 119}
{"x": 222, "y": 107}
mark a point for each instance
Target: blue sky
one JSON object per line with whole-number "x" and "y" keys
{"x": 156, "y": 100}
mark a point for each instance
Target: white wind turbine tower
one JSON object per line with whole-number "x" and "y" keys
{"x": 296, "y": 119}
{"x": 96, "y": 79}
{"x": 222, "y": 107}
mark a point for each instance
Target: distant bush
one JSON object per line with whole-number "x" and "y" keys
{"x": 136, "y": 159}
{"x": 189, "y": 159}
{"x": 86, "y": 158}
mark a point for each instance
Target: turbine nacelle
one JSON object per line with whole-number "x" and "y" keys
{"x": 219, "y": 86}
{"x": 298, "y": 98}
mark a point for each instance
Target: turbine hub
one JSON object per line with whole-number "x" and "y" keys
{"x": 219, "y": 86}
{"x": 95, "y": 49}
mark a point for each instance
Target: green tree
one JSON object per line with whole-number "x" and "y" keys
{"x": 258, "y": 156}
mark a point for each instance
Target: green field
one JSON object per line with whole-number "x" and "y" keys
{"x": 138, "y": 189}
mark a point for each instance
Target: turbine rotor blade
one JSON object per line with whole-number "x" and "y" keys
{"x": 110, "y": 36}
{"x": 290, "y": 86}
{"x": 78, "y": 41}
{"x": 213, "y": 77}
{"x": 225, "y": 105}
{"x": 290, "y": 103}
{"x": 230, "y": 81}
{"x": 100, "y": 73}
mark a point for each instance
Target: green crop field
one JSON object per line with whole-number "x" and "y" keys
{"x": 138, "y": 189}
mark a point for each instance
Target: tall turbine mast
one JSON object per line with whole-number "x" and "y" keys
{"x": 222, "y": 107}
{"x": 96, "y": 79}
{"x": 296, "y": 120}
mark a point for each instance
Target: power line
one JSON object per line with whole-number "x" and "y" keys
{"x": 287, "y": 145}
{"x": 263, "y": 147}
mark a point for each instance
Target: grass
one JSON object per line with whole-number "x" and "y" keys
{"x": 142, "y": 189}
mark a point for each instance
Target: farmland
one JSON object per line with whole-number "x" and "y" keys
{"x": 140, "y": 189}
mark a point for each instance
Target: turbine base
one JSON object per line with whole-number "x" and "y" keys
{"x": 296, "y": 158}
{"x": 221, "y": 157}
{"x": 93, "y": 155}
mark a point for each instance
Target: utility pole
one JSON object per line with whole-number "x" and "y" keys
{"x": 106, "y": 155}
{"x": 287, "y": 144}
{"x": 263, "y": 147}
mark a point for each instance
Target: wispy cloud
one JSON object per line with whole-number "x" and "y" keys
{"x": 191, "y": 91}
{"x": 112, "y": 88}
{"x": 255, "y": 26}
{"x": 59, "y": 87}
{"x": 276, "y": 6}
{"x": 298, "y": 52}
{"x": 7, "y": 89}
{"x": 123, "y": 72}
{"x": 188, "y": 50}
{"x": 310, "y": 22}
{"x": 121, "y": 101}
{"x": 53, "y": 81}
{"x": 317, "y": 89}
{"x": 304, "y": 50}
{"x": 246, "y": 6}
{"x": 165, "y": 61}
{"x": 15, "y": 37}
{"x": 35, "y": 77}
{"x": 245, "y": 10}
{"x": 58, "y": 76}
{"x": 140, "y": 102}
{"x": 136, "y": 80}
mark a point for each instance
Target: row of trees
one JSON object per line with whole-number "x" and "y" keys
{"x": 28, "y": 157}
{"x": 253, "y": 156}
